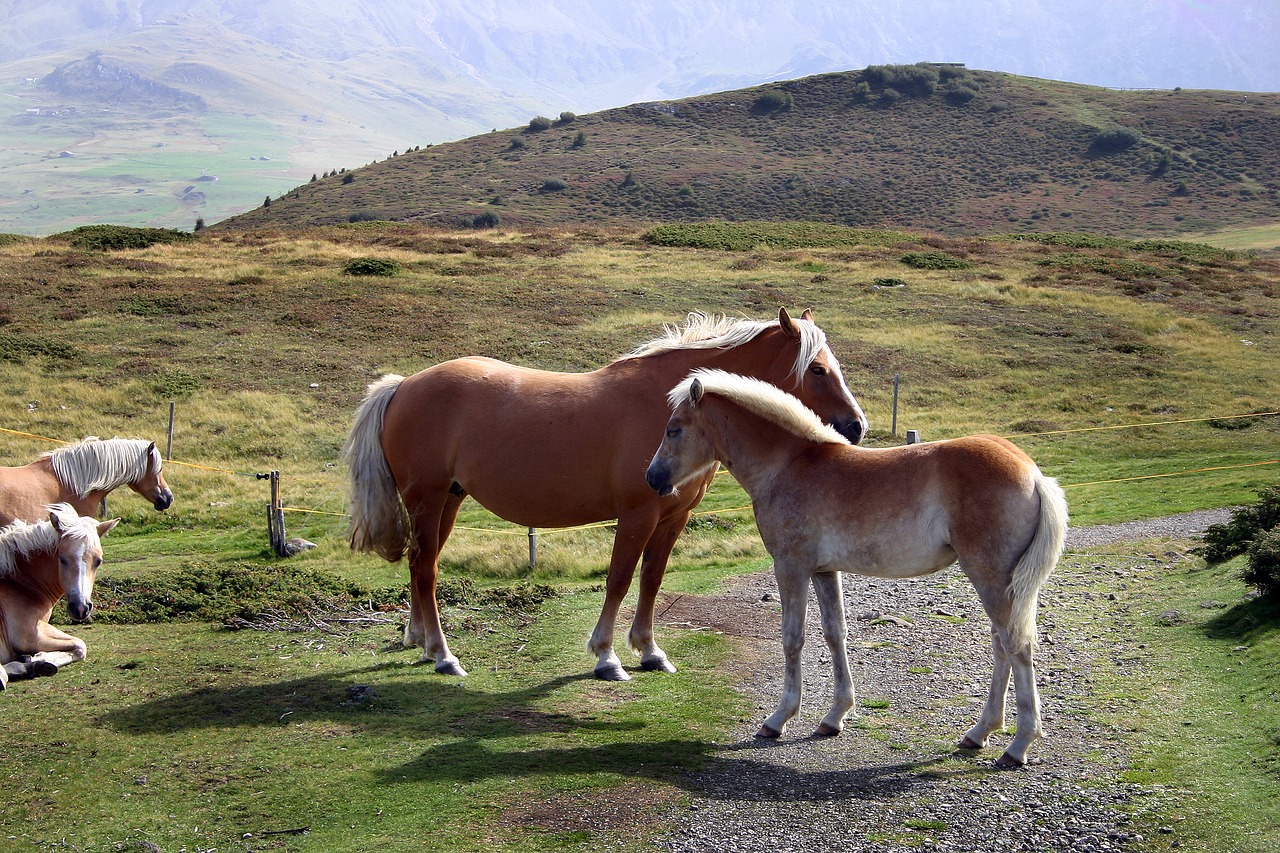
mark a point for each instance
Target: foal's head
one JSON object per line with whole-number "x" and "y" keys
{"x": 79, "y": 551}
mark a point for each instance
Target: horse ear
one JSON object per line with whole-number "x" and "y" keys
{"x": 695, "y": 392}
{"x": 807, "y": 315}
{"x": 105, "y": 527}
{"x": 53, "y": 519}
{"x": 788, "y": 325}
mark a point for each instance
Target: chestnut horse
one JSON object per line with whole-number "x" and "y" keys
{"x": 39, "y": 563}
{"x": 82, "y": 474}
{"x": 825, "y": 507}
{"x": 544, "y": 449}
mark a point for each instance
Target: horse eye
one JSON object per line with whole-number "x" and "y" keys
{"x": 818, "y": 370}
{"x": 672, "y": 432}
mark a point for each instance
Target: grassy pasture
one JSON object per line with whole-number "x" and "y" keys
{"x": 265, "y": 347}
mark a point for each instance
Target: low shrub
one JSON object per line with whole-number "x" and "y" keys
{"x": 105, "y": 238}
{"x": 934, "y": 261}
{"x": 371, "y": 266}
{"x": 1263, "y": 567}
{"x": 1233, "y": 538}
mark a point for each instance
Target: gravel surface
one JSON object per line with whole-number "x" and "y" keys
{"x": 894, "y": 779}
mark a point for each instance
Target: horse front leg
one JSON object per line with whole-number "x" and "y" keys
{"x": 793, "y": 590}
{"x": 430, "y": 530}
{"x": 653, "y": 567}
{"x": 634, "y": 531}
{"x": 835, "y": 630}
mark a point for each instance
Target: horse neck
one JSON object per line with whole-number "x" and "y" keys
{"x": 38, "y": 574}
{"x": 760, "y": 358}
{"x": 753, "y": 448}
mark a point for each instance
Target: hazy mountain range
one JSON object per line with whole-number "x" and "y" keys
{"x": 158, "y": 111}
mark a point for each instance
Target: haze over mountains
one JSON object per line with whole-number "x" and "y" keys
{"x": 215, "y": 103}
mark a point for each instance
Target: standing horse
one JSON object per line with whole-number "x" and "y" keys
{"x": 82, "y": 475}
{"x": 39, "y": 563}
{"x": 825, "y": 507}
{"x": 546, "y": 449}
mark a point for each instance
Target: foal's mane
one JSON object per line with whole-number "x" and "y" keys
{"x": 20, "y": 539}
{"x": 710, "y": 331}
{"x": 766, "y": 400}
{"x": 96, "y": 463}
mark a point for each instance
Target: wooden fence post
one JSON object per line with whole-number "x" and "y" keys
{"x": 893, "y": 430}
{"x": 275, "y": 516}
{"x": 168, "y": 453}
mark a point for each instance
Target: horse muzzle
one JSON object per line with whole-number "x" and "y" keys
{"x": 851, "y": 428}
{"x": 659, "y": 478}
{"x": 80, "y": 611}
{"x": 163, "y": 501}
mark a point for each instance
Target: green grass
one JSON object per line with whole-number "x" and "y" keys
{"x": 265, "y": 347}
{"x": 1192, "y": 686}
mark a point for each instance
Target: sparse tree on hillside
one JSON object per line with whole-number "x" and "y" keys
{"x": 313, "y": 176}
{"x": 538, "y": 124}
{"x": 199, "y": 223}
{"x": 580, "y": 140}
{"x": 348, "y": 178}
{"x": 266, "y": 202}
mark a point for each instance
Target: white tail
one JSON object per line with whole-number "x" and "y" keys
{"x": 1036, "y": 563}
{"x": 379, "y": 522}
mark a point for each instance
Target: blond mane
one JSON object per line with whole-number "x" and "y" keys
{"x": 94, "y": 463}
{"x": 710, "y": 331}
{"x": 767, "y": 401}
{"x": 20, "y": 539}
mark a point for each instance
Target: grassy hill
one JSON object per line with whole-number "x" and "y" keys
{"x": 940, "y": 148}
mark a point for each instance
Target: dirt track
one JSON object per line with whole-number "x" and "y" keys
{"x": 894, "y": 779}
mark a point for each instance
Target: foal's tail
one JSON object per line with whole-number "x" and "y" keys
{"x": 379, "y": 522}
{"x": 1037, "y": 562}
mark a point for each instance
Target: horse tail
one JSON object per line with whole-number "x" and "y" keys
{"x": 379, "y": 522}
{"x": 1037, "y": 562}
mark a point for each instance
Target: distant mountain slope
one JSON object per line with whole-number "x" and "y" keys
{"x": 292, "y": 87}
{"x": 937, "y": 147}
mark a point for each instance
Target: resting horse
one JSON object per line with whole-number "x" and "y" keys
{"x": 546, "y": 449}
{"x": 39, "y": 563}
{"x": 824, "y": 507}
{"x": 82, "y": 474}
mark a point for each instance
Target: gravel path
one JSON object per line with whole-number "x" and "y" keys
{"x": 893, "y": 781}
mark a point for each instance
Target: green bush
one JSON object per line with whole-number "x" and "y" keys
{"x": 1233, "y": 538}
{"x": 553, "y": 185}
{"x": 113, "y": 237}
{"x": 1116, "y": 139}
{"x": 1263, "y": 567}
{"x": 934, "y": 261}
{"x": 538, "y": 124}
{"x": 918, "y": 81}
{"x": 773, "y": 101}
{"x": 371, "y": 266}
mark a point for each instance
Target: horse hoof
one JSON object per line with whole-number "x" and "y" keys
{"x": 657, "y": 665}
{"x": 614, "y": 672}
{"x": 825, "y": 730}
{"x": 767, "y": 731}
{"x": 38, "y": 668}
{"x": 967, "y": 743}
{"x": 450, "y": 667}
{"x": 1008, "y": 762}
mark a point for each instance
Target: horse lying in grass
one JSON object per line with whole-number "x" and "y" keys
{"x": 824, "y": 507}
{"x": 39, "y": 563}
{"x": 82, "y": 474}
{"x": 544, "y": 449}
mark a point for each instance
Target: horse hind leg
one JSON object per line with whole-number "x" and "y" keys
{"x": 1030, "y": 728}
{"x": 992, "y": 718}
{"x": 629, "y": 542}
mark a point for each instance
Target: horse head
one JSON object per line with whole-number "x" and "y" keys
{"x": 151, "y": 484}
{"x": 79, "y": 550}
{"x": 686, "y": 452}
{"x": 817, "y": 380}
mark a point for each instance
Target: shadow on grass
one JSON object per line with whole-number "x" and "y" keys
{"x": 1248, "y": 621}
{"x": 478, "y": 735}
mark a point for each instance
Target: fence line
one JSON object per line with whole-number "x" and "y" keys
{"x": 276, "y": 508}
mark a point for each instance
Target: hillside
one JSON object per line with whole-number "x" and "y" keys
{"x": 936, "y": 147}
